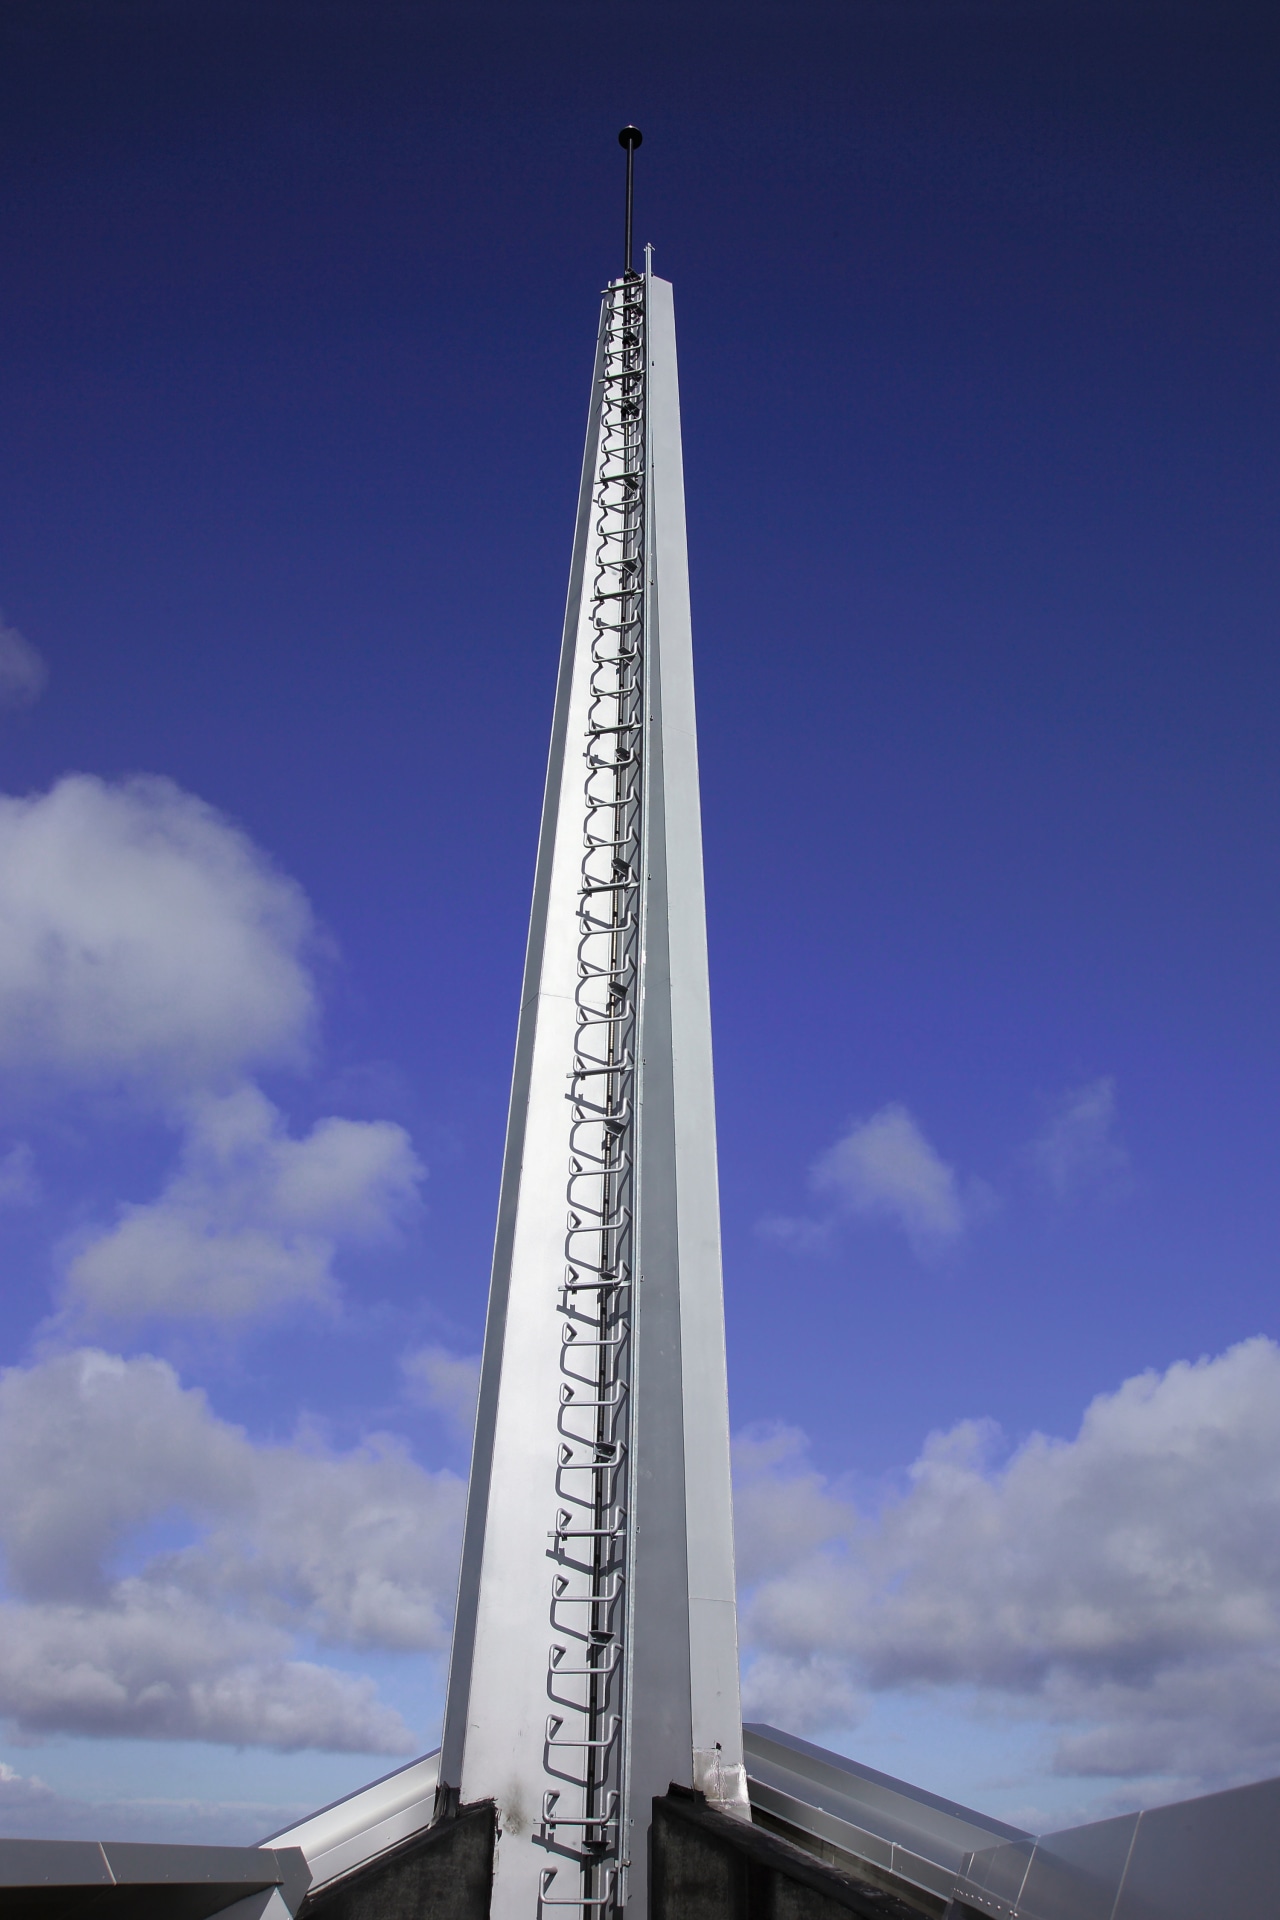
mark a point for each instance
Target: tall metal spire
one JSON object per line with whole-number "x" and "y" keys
{"x": 595, "y": 1648}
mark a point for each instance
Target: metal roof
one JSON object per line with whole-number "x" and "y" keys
{"x": 1193, "y": 1860}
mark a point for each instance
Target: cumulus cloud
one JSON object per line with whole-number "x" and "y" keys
{"x": 1078, "y": 1146}
{"x": 155, "y": 1665}
{"x": 91, "y": 1447}
{"x": 106, "y": 1632}
{"x": 885, "y": 1167}
{"x": 784, "y": 1508}
{"x": 165, "y": 1576}
{"x": 1210, "y": 1723}
{"x": 19, "y": 1186}
{"x": 801, "y": 1692}
{"x": 1125, "y": 1584}
{"x": 445, "y": 1383}
{"x": 145, "y": 940}
{"x": 252, "y": 1219}
{"x": 146, "y": 943}
{"x": 23, "y": 672}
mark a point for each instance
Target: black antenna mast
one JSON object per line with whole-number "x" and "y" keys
{"x": 630, "y": 138}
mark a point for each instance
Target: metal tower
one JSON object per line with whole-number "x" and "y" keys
{"x": 595, "y": 1655}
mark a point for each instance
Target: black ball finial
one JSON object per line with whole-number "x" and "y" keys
{"x": 630, "y": 138}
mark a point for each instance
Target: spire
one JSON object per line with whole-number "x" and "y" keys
{"x": 630, "y": 138}
{"x": 595, "y": 1649}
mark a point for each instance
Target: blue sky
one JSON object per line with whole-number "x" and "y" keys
{"x": 977, "y": 310}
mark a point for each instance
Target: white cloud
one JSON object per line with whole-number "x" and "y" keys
{"x": 107, "y": 1632}
{"x": 796, "y": 1232}
{"x": 1079, "y": 1147}
{"x": 357, "y": 1550}
{"x": 23, "y": 672}
{"x": 885, "y": 1166}
{"x": 19, "y": 1186}
{"x": 91, "y": 1448}
{"x": 252, "y": 1219}
{"x": 446, "y": 1383}
{"x": 156, "y": 1665}
{"x": 808, "y": 1692}
{"x": 144, "y": 940}
{"x": 165, "y": 1576}
{"x": 1209, "y": 1722}
{"x": 784, "y": 1508}
{"x": 1125, "y": 1584}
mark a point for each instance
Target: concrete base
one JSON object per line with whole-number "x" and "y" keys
{"x": 445, "y": 1873}
{"x": 703, "y": 1865}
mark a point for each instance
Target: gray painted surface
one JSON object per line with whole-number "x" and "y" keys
{"x": 121, "y": 1877}
{"x": 1202, "y": 1859}
{"x": 1216, "y": 1855}
{"x": 1072, "y": 1875}
{"x": 54, "y": 1863}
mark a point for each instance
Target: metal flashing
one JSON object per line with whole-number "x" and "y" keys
{"x": 353, "y": 1831}
{"x": 70, "y": 1877}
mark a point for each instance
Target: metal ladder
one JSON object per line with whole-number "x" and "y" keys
{"x": 583, "y": 1754}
